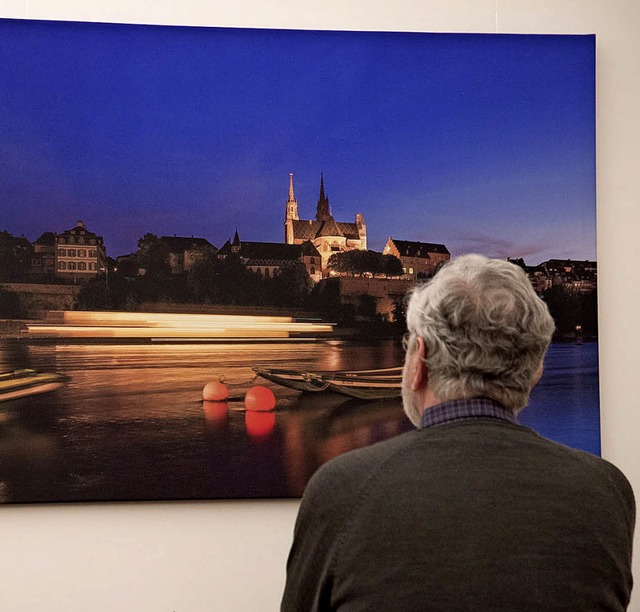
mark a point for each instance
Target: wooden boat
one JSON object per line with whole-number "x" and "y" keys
{"x": 23, "y": 383}
{"x": 362, "y": 384}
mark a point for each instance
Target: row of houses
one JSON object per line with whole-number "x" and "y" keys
{"x": 74, "y": 255}
{"x": 78, "y": 254}
{"x": 578, "y": 276}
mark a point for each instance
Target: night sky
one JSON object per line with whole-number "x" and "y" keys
{"x": 485, "y": 143}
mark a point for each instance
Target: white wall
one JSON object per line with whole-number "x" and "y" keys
{"x": 230, "y": 555}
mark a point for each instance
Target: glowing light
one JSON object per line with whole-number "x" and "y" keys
{"x": 215, "y": 413}
{"x": 79, "y": 324}
{"x": 260, "y": 424}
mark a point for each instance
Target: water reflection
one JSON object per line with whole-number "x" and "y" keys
{"x": 131, "y": 424}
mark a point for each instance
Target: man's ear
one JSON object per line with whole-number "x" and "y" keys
{"x": 537, "y": 376}
{"x": 419, "y": 371}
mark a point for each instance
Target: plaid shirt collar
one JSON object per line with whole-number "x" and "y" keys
{"x": 464, "y": 409}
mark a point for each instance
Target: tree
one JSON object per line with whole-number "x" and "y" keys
{"x": 571, "y": 310}
{"x": 153, "y": 258}
{"x": 15, "y": 254}
{"x": 359, "y": 262}
{"x": 203, "y": 276}
{"x": 391, "y": 266}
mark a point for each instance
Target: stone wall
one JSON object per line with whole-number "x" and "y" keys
{"x": 386, "y": 291}
{"x": 36, "y": 299}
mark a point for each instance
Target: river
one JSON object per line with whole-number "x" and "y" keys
{"x": 131, "y": 425}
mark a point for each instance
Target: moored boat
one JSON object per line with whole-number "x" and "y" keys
{"x": 363, "y": 384}
{"x": 22, "y": 383}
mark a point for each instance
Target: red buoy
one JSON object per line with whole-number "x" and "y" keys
{"x": 215, "y": 392}
{"x": 259, "y": 398}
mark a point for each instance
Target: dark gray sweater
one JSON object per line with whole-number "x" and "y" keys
{"x": 469, "y": 515}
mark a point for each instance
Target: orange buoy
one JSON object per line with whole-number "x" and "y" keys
{"x": 259, "y": 398}
{"x": 215, "y": 392}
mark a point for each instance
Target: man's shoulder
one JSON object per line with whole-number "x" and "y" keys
{"x": 349, "y": 472}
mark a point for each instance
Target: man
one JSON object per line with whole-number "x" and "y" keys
{"x": 471, "y": 511}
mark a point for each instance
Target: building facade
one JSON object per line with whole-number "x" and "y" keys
{"x": 420, "y": 260}
{"x": 269, "y": 258}
{"x": 80, "y": 254}
{"x": 43, "y": 259}
{"x": 326, "y": 234}
{"x": 183, "y": 251}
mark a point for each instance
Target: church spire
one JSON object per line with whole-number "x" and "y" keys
{"x": 323, "y": 213}
{"x": 291, "y": 213}
{"x": 292, "y": 198}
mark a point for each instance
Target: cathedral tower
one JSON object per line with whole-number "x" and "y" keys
{"x": 323, "y": 213}
{"x": 291, "y": 214}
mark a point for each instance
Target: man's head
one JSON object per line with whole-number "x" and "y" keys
{"x": 477, "y": 329}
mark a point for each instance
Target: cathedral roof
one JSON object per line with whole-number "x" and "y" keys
{"x": 308, "y": 230}
{"x": 349, "y": 230}
{"x": 329, "y": 228}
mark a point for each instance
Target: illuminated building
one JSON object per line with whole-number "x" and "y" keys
{"x": 80, "y": 254}
{"x": 419, "y": 259}
{"x": 324, "y": 232}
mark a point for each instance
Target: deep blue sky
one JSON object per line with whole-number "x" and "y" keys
{"x": 485, "y": 143}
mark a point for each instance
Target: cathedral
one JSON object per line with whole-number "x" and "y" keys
{"x": 327, "y": 235}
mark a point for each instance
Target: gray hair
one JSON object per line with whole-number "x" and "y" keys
{"x": 485, "y": 330}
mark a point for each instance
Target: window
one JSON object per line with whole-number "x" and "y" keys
{"x": 62, "y": 265}
{"x": 82, "y": 265}
{"x": 410, "y": 270}
{"x": 81, "y": 240}
{"x": 93, "y": 253}
{"x": 62, "y": 252}
{"x": 71, "y": 265}
{"x": 92, "y": 266}
{"x": 62, "y": 240}
{"x": 71, "y": 252}
{"x": 313, "y": 270}
{"x": 266, "y": 272}
{"x": 312, "y": 260}
{"x": 82, "y": 253}
{"x": 92, "y": 240}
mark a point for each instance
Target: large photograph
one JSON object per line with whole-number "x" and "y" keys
{"x": 207, "y": 236}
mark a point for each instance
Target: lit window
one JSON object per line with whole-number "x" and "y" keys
{"x": 410, "y": 270}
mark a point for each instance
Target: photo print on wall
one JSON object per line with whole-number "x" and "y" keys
{"x": 239, "y": 213}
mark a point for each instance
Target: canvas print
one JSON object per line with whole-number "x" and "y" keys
{"x": 207, "y": 234}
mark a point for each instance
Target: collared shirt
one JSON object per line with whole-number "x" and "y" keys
{"x": 463, "y": 409}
